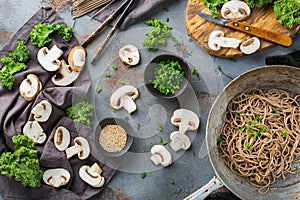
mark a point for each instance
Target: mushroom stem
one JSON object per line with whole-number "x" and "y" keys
{"x": 71, "y": 151}
{"x": 156, "y": 158}
{"x": 176, "y": 145}
{"x": 128, "y": 104}
{"x": 160, "y": 155}
{"x": 179, "y": 141}
{"x": 96, "y": 168}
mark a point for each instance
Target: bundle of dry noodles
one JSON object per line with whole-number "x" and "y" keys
{"x": 260, "y": 137}
{"x": 82, "y": 7}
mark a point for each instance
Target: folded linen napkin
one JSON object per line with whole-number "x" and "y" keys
{"x": 141, "y": 9}
{"x": 15, "y": 112}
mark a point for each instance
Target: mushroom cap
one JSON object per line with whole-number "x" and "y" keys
{"x": 250, "y": 46}
{"x": 124, "y": 97}
{"x": 160, "y": 155}
{"x": 34, "y": 131}
{"x": 185, "y": 120}
{"x": 62, "y": 138}
{"x": 235, "y": 10}
{"x": 30, "y": 87}
{"x": 130, "y": 55}
{"x": 91, "y": 177}
{"x": 49, "y": 58}
{"x": 179, "y": 141}
{"x": 42, "y": 111}
{"x": 65, "y": 75}
{"x": 56, "y": 177}
{"x": 214, "y": 35}
{"x": 76, "y": 58}
{"x": 217, "y": 40}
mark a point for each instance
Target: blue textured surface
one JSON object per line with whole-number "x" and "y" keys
{"x": 191, "y": 170}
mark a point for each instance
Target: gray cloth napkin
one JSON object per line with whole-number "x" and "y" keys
{"x": 141, "y": 9}
{"x": 15, "y": 112}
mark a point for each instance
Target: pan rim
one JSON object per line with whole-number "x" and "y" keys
{"x": 208, "y": 133}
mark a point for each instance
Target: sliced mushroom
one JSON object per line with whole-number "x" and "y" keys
{"x": 130, "y": 55}
{"x": 65, "y": 75}
{"x": 30, "y": 87}
{"x": 35, "y": 132}
{"x": 42, "y": 111}
{"x": 235, "y": 10}
{"x": 160, "y": 155}
{"x": 217, "y": 40}
{"x": 62, "y": 138}
{"x": 179, "y": 141}
{"x": 76, "y": 58}
{"x": 250, "y": 46}
{"x": 185, "y": 120}
{"x": 56, "y": 177}
{"x": 124, "y": 98}
{"x": 92, "y": 175}
{"x": 49, "y": 58}
{"x": 81, "y": 148}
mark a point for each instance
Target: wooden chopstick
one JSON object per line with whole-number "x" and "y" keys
{"x": 92, "y": 36}
{"x": 112, "y": 31}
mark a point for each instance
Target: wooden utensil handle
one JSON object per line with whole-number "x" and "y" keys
{"x": 261, "y": 33}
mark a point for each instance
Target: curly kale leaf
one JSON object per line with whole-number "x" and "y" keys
{"x": 8, "y": 70}
{"x": 23, "y": 163}
{"x": 81, "y": 112}
{"x": 40, "y": 34}
{"x": 213, "y": 6}
{"x": 258, "y": 3}
{"x": 65, "y": 31}
{"x": 287, "y": 12}
{"x": 21, "y": 53}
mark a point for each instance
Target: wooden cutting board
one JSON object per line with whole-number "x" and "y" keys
{"x": 199, "y": 29}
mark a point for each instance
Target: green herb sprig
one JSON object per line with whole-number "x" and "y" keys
{"x": 168, "y": 77}
{"x": 248, "y": 147}
{"x": 81, "y": 112}
{"x": 156, "y": 36}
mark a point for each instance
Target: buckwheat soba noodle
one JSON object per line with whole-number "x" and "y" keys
{"x": 260, "y": 137}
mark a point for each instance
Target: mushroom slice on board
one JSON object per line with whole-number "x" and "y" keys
{"x": 92, "y": 175}
{"x": 56, "y": 177}
{"x": 160, "y": 155}
{"x": 129, "y": 55}
{"x": 81, "y": 148}
{"x": 42, "y": 111}
{"x": 235, "y": 10}
{"x": 62, "y": 138}
{"x": 217, "y": 40}
{"x": 65, "y": 75}
{"x": 124, "y": 98}
{"x": 49, "y": 58}
{"x": 30, "y": 87}
{"x": 250, "y": 46}
{"x": 185, "y": 120}
{"x": 179, "y": 141}
{"x": 34, "y": 131}
{"x": 76, "y": 58}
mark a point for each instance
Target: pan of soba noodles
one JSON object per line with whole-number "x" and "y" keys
{"x": 253, "y": 135}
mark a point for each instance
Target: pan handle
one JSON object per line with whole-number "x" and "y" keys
{"x": 204, "y": 191}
